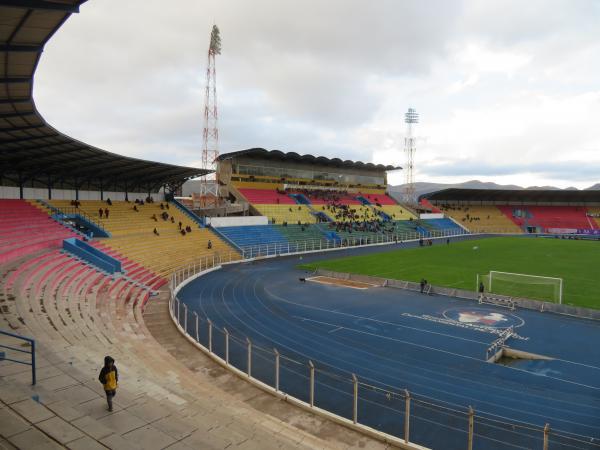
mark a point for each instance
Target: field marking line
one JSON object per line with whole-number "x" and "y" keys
{"x": 340, "y": 283}
{"x": 395, "y": 324}
{"x": 437, "y": 398}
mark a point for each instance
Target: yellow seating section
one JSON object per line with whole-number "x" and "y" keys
{"x": 491, "y": 219}
{"x": 397, "y": 212}
{"x": 133, "y": 235}
{"x": 595, "y": 210}
{"x": 286, "y": 213}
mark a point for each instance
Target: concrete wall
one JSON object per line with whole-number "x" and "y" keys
{"x": 237, "y": 221}
{"x": 69, "y": 194}
{"x": 431, "y": 216}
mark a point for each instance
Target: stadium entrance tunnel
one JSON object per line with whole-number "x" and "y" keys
{"x": 531, "y": 362}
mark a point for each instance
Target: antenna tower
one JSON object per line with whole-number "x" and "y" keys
{"x": 410, "y": 148}
{"x": 210, "y": 146}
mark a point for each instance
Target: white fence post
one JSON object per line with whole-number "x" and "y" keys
{"x": 276, "y": 370}
{"x": 406, "y": 416}
{"x": 185, "y": 318}
{"x": 355, "y": 404}
{"x": 226, "y": 346}
{"x": 312, "y": 383}
{"x": 209, "y": 335}
{"x": 249, "y": 366}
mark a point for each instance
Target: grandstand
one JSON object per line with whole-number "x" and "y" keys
{"x": 512, "y": 211}
{"x": 327, "y": 198}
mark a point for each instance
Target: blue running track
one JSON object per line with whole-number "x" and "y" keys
{"x": 393, "y": 340}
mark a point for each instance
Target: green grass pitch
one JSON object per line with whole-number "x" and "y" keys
{"x": 457, "y": 265}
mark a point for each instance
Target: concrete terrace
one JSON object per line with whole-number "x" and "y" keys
{"x": 170, "y": 394}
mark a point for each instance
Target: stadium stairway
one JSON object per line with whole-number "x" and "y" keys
{"x": 77, "y": 316}
{"x": 595, "y": 211}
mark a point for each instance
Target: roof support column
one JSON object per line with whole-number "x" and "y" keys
{"x": 49, "y": 187}
{"x": 77, "y": 186}
{"x": 20, "y": 186}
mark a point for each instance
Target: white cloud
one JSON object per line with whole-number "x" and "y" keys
{"x": 496, "y": 83}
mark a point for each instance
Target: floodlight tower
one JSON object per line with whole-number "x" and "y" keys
{"x": 210, "y": 147}
{"x": 410, "y": 147}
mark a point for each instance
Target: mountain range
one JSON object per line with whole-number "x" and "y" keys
{"x": 425, "y": 188}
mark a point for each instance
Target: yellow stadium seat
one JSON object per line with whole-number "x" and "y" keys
{"x": 489, "y": 218}
{"x": 132, "y": 234}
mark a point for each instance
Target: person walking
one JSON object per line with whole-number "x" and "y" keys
{"x": 423, "y": 284}
{"x": 109, "y": 377}
{"x": 100, "y": 212}
{"x": 106, "y": 212}
{"x": 481, "y": 289}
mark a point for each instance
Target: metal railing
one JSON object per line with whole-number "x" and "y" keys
{"x": 316, "y": 245}
{"x": 71, "y": 210}
{"x": 388, "y": 413}
{"x": 31, "y": 351}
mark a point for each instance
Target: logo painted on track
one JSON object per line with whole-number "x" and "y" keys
{"x": 483, "y": 317}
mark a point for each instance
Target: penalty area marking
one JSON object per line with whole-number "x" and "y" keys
{"x": 343, "y": 283}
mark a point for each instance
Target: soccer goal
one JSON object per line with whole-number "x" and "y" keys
{"x": 522, "y": 285}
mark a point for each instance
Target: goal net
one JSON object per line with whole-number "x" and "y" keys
{"x": 522, "y": 285}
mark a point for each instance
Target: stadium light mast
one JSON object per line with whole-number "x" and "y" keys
{"x": 410, "y": 148}
{"x": 210, "y": 146}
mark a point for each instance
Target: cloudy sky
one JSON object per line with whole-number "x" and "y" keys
{"x": 508, "y": 91}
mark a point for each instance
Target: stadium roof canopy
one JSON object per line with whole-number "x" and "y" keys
{"x": 513, "y": 196}
{"x": 31, "y": 151}
{"x": 277, "y": 155}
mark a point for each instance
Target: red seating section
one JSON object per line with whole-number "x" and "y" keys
{"x": 572, "y": 217}
{"x": 270, "y": 197}
{"x": 25, "y": 229}
{"x": 345, "y": 200}
{"x": 382, "y": 199}
{"x": 427, "y": 204}
{"x": 266, "y": 197}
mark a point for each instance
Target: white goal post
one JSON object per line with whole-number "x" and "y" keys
{"x": 522, "y": 285}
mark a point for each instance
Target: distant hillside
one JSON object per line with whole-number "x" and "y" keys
{"x": 425, "y": 188}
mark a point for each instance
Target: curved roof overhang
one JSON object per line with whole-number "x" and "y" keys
{"x": 261, "y": 153}
{"x": 30, "y": 149}
{"x": 513, "y": 196}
